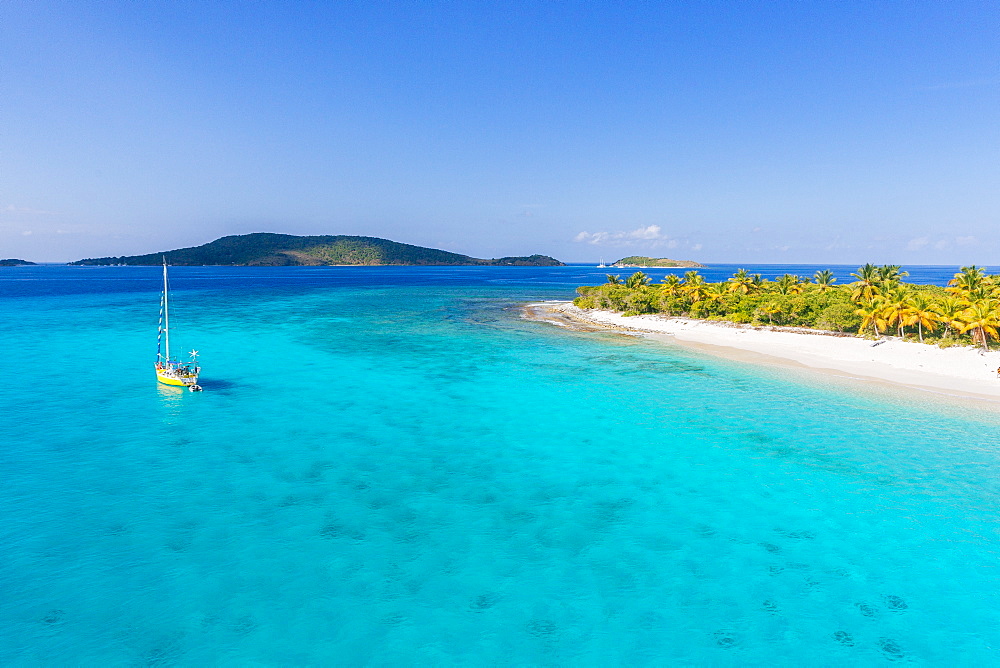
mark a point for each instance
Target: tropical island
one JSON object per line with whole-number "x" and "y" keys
{"x": 265, "y": 249}
{"x": 643, "y": 262}
{"x": 967, "y": 311}
{"x": 877, "y": 327}
{"x": 13, "y": 262}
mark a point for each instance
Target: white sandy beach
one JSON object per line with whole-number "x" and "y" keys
{"x": 956, "y": 370}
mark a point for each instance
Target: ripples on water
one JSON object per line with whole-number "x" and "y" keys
{"x": 395, "y": 468}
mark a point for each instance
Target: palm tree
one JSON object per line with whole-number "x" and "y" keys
{"x": 865, "y": 287}
{"x": 889, "y": 275}
{"x": 824, "y": 280}
{"x": 895, "y": 308}
{"x": 694, "y": 286}
{"x": 614, "y": 279}
{"x": 922, "y": 312}
{"x": 671, "y": 284}
{"x": 772, "y": 307}
{"x": 872, "y": 315}
{"x": 949, "y": 310}
{"x": 715, "y": 293}
{"x": 740, "y": 282}
{"x": 670, "y": 289}
{"x": 638, "y": 280}
{"x": 789, "y": 284}
{"x": 983, "y": 320}
{"x": 992, "y": 285}
{"x": 970, "y": 283}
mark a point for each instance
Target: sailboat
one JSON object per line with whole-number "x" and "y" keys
{"x": 601, "y": 265}
{"x": 170, "y": 371}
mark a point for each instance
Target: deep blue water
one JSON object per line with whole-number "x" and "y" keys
{"x": 64, "y": 280}
{"x": 390, "y": 466}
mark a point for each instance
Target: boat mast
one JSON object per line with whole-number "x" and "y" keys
{"x": 166, "y": 310}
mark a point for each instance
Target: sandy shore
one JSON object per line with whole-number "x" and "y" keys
{"x": 958, "y": 370}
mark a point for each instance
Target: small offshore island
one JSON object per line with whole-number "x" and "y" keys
{"x": 266, "y": 249}
{"x": 13, "y": 262}
{"x": 643, "y": 262}
{"x": 923, "y": 336}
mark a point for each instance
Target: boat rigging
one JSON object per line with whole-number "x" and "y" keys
{"x": 171, "y": 371}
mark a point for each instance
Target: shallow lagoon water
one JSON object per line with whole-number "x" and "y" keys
{"x": 390, "y": 466}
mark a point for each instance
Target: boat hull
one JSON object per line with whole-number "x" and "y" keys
{"x": 179, "y": 381}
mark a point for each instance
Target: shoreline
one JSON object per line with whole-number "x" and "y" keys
{"x": 959, "y": 371}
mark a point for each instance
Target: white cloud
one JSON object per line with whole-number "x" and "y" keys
{"x": 965, "y": 241}
{"x": 942, "y": 244}
{"x": 27, "y": 233}
{"x": 642, "y": 238}
{"x": 917, "y": 244}
{"x": 652, "y": 233}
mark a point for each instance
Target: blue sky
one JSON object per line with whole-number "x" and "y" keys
{"x": 835, "y": 132}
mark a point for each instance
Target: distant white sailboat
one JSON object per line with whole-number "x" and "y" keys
{"x": 602, "y": 265}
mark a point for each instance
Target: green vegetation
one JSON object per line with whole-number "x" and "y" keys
{"x": 878, "y": 302}
{"x": 264, "y": 249}
{"x": 526, "y": 261}
{"x": 643, "y": 261}
{"x": 13, "y": 262}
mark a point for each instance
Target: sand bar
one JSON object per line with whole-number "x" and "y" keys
{"x": 959, "y": 370}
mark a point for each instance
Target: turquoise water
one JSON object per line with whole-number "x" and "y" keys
{"x": 392, "y": 467}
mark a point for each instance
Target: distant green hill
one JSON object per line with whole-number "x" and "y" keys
{"x": 643, "y": 261}
{"x": 14, "y": 263}
{"x": 264, "y": 249}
